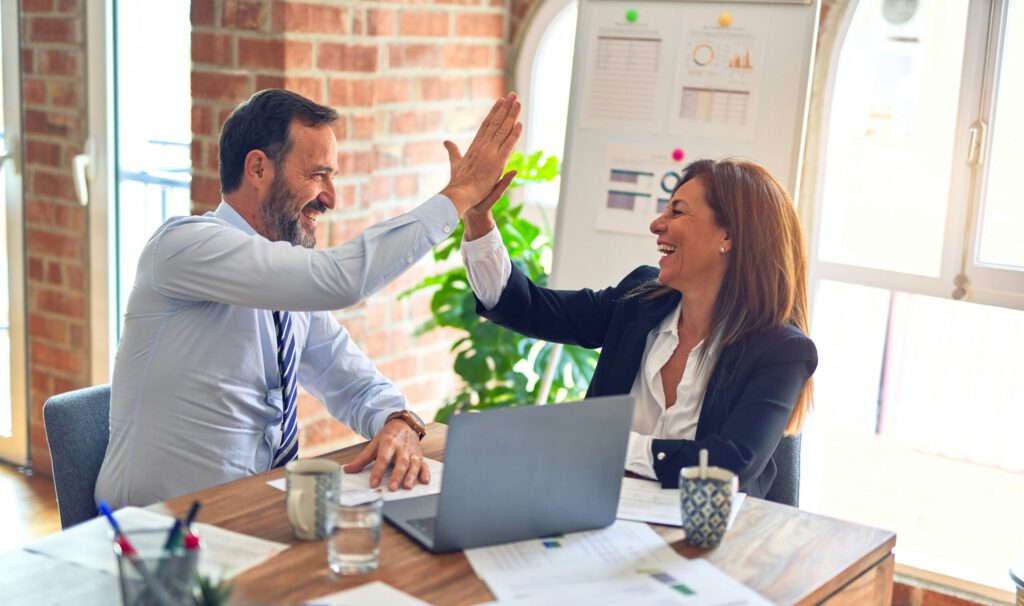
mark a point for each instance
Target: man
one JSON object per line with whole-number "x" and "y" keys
{"x": 230, "y": 310}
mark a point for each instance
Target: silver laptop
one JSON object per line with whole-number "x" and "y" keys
{"x": 519, "y": 473}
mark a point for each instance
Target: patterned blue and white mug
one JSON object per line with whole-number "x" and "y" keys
{"x": 308, "y": 485}
{"x": 706, "y": 503}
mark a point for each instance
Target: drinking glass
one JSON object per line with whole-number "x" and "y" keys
{"x": 353, "y": 546}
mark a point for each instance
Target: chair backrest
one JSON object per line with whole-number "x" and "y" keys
{"x": 786, "y": 488}
{"x": 77, "y": 430}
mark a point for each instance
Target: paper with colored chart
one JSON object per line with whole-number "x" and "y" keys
{"x": 361, "y": 481}
{"x": 638, "y": 184}
{"x": 625, "y": 563}
{"x": 719, "y": 68}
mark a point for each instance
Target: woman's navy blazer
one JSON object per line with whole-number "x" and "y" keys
{"x": 750, "y": 395}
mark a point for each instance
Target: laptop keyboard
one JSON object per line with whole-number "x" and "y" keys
{"x": 424, "y": 525}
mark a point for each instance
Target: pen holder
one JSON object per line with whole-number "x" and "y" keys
{"x": 153, "y": 576}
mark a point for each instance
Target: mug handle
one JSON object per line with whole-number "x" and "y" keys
{"x": 294, "y": 505}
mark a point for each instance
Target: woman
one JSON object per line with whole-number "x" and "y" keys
{"x": 712, "y": 344}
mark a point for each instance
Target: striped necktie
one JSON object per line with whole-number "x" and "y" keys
{"x": 286, "y": 363}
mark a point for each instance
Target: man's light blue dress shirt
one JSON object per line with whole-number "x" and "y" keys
{"x": 196, "y": 393}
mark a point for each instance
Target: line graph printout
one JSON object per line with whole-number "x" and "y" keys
{"x": 624, "y": 67}
{"x": 718, "y": 73}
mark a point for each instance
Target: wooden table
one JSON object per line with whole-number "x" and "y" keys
{"x": 787, "y": 555}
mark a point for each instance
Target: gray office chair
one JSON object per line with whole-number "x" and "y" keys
{"x": 786, "y": 488}
{"x": 77, "y": 430}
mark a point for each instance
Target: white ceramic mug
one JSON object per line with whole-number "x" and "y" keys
{"x": 308, "y": 484}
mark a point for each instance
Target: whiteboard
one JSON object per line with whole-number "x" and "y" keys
{"x": 653, "y": 78}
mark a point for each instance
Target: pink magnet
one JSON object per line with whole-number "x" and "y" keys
{"x": 677, "y": 154}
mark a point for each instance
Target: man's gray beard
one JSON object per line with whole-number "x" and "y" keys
{"x": 283, "y": 226}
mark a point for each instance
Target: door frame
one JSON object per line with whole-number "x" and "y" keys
{"x": 15, "y": 448}
{"x": 99, "y": 167}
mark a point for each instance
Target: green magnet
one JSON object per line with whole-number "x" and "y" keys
{"x": 631, "y": 15}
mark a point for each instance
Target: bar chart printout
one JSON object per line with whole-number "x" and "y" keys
{"x": 639, "y": 183}
{"x": 718, "y": 74}
{"x": 623, "y": 70}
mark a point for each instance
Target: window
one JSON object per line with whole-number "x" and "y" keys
{"x": 154, "y": 132}
{"x": 543, "y": 75}
{"x": 918, "y": 282}
{"x": 138, "y": 153}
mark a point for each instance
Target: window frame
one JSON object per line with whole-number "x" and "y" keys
{"x": 15, "y": 449}
{"x": 99, "y": 155}
{"x": 983, "y": 45}
{"x": 988, "y": 283}
{"x": 983, "y": 42}
{"x": 524, "y": 51}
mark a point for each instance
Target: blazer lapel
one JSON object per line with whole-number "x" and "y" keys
{"x": 621, "y": 371}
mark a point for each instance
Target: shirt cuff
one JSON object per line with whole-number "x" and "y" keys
{"x": 439, "y": 217}
{"x": 485, "y": 243}
{"x": 382, "y": 418}
{"x": 488, "y": 267}
{"x": 638, "y": 455}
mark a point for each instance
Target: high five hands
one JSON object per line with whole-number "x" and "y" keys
{"x": 476, "y": 177}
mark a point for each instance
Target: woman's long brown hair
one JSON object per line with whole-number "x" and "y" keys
{"x": 765, "y": 285}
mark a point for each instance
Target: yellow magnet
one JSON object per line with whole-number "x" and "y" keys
{"x": 725, "y": 19}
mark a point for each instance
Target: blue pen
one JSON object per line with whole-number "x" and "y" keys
{"x": 128, "y": 551}
{"x": 105, "y": 510}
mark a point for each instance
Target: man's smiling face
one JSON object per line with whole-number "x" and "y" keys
{"x": 303, "y": 186}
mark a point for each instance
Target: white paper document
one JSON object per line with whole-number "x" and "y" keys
{"x": 625, "y": 563}
{"x": 31, "y": 578}
{"x": 361, "y": 481}
{"x": 371, "y": 594}
{"x": 624, "y": 66}
{"x": 647, "y": 501}
{"x": 719, "y": 68}
{"x": 225, "y": 553}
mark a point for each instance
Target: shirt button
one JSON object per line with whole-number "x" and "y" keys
{"x": 661, "y": 456}
{"x": 446, "y": 229}
{"x": 408, "y": 259}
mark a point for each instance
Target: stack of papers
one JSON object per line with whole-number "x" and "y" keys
{"x": 225, "y": 553}
{"x": 626, "y": 563}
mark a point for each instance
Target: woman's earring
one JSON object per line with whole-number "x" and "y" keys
{"x": 722, "y": 250}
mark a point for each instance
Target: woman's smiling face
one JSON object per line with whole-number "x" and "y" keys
{"x": 690, "y": 241}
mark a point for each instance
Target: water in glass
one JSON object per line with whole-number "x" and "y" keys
{"x": 354, "y": 545}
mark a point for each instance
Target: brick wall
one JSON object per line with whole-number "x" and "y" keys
{"x": 53, "y": 57}
{"x": 403, "y": 75}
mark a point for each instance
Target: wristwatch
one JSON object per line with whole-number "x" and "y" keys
{"x": 414, "y": 421}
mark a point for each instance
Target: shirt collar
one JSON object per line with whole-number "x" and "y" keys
{"x": 225, "y": 212}
{"x": 670, "y": 323}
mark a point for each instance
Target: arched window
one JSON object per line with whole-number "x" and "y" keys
{"x": 543, "y": 71}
